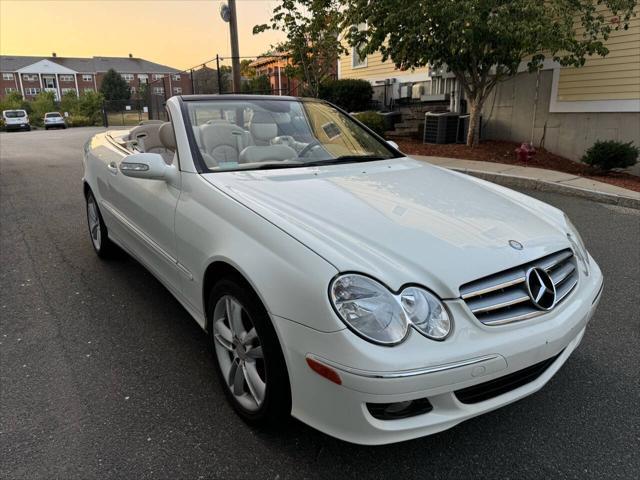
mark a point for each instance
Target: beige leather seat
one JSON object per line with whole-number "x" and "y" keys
{"x": 223, "y": 141}
{"x": 168, "y": 140}
{"x": 147, "y": 137}
{"x": 263, "y": 128}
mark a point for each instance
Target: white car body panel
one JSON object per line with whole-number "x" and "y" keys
{"x": 289, "y": 232}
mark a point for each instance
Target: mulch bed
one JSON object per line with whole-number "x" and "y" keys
{"x": 503, "y": 152}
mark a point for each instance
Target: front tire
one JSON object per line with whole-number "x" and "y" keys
{"x": 103, "y": 247}
{"x": 247, "y": 353}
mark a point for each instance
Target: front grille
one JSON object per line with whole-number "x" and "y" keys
{"x": 493, "y": 388}
{"x": 503, "y": 298}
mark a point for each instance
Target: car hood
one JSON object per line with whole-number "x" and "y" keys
{"x": 401, "y": 220}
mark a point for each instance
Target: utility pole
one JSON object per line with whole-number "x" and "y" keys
{"x": 235, "y": 50}
{"x": 219, "y": 75}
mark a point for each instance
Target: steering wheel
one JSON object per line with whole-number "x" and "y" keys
{"x": 308, "y": 148}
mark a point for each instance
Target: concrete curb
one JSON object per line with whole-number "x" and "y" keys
{"x": 544, "y": 186}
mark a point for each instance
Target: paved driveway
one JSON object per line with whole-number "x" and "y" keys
{"x": 104, "y": 375}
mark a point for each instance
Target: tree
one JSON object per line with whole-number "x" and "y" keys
{"x": 90, "y": 105}
{"x": 258, "y": 85}
{"x": 483, "y": 42}
{"x": 313, "y": 44}
{"x": 69, "y": 102}
{"x": 42, "y": 103}
{"x": 245, "y": 69}
{"x": 115, "y": 89}
{"x": 12, "y": 101}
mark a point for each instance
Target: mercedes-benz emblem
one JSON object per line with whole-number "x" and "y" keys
{"x": 515, "y": 244}
{"x": 541, "y": 289}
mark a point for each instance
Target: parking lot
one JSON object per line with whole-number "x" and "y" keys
{"x": 104, "y": 375}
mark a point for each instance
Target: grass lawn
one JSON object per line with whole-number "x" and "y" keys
{"x": 126, "y": 118}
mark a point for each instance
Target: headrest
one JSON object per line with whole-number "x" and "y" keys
{"x": 263, "y": 126}
{"x": 167, "y": 137}
{"x": 281, "y": 117}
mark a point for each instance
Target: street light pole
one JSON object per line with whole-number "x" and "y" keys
{"x": 235, "y": 51}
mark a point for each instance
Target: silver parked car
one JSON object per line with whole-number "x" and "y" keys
{"x": 54, "y": 120}
{"x": 16, "y": 120}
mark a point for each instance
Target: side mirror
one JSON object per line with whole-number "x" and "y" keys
{"x": 146, "y": 165}
{"x": 393, "y": 144}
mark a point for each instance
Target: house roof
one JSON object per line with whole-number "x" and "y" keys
{"x": 46, "y": 66}
{"x": 13, "y": 63}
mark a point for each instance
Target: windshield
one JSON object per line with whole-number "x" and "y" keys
{"x": 55, "y": 114}
{"x": 15, "y": 113}
{"x": 267, "y": 133}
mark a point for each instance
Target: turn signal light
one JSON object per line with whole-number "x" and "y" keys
{"x": 324, "y": 371}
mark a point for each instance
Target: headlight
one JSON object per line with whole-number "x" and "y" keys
{"x": 426, "y": 313}
{"x": 380, "y": 316}
{"x": 577, "y": 243}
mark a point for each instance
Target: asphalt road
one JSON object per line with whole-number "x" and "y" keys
{"x": 104, "y": 375}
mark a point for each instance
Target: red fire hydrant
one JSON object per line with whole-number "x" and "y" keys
{"x": 525, "y": 152}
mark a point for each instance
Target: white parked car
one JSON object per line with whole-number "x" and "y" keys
{"x": 54, "y": 120}
{"x": 16, "y": 120}
{"x": 375, "y": 297}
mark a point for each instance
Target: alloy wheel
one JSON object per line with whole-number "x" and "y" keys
{"x": 93, "y": 218}
{"x": 239, "y": 351}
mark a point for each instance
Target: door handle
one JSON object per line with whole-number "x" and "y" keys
{"x": 112, "y": 167}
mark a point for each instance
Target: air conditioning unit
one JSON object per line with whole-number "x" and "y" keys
{"x": 440, "y": 127}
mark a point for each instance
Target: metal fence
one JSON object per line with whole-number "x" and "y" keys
{"x": 214, "y": 77}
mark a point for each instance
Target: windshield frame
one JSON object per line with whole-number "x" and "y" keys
{"x": 199, "y": 162}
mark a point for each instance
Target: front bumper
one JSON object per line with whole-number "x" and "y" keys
{"x": 474, "y": 354}
{"x": 10, "y": 127}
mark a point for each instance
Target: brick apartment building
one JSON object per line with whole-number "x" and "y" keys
{"x": 31, "y": 75}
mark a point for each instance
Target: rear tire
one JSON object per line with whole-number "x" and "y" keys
{"x": 247, "y": 353}
{"x": 98, "y": 234}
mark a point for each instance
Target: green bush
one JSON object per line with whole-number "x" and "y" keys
{"x": 372, "y": 120}
{"x": 79, "y": 121}
{"x": 90, "y": 105}
{"x": 349, "y": 94}
{"x": 609, "y": 154}
{"x": 42, "y": 103}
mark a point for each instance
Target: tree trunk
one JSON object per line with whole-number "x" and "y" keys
{"x": 473, "y": 135}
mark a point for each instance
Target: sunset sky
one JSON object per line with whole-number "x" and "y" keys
{"x": 178, "y": 33}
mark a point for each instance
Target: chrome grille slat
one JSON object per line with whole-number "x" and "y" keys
{"x": 499, "y": 300}
{"x": 562, "y": 273}
{"x": 552, "y": 260}
{"x": 565, "y": 289}
{"x": 503, "y": 298}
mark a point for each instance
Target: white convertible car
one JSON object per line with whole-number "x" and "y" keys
{"x": 375, "y": 297}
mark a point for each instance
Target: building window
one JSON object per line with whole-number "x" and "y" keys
{"x": 87, "y": 78}
{"x": 66, "y": 78}
{"x": 127, "y": 76}
{"x": 67, "y": 90}
{"x": 88, "y": 90}
{"x": 177, "y": 90}
{"x": 9, "y": 90}
{"x": 31, "y": 91}
{"x": 143, "y": 78}
{"x": 158, "y": 76}
{"x": 158, "y": 90}
{"x": 7, "y": 76}
{"x": 357, "y": 60}
{"x": 30, "y": 78}
{"x": 176, "y": 78}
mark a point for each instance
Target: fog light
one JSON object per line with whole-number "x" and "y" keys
{"x": 398, "y": 410}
